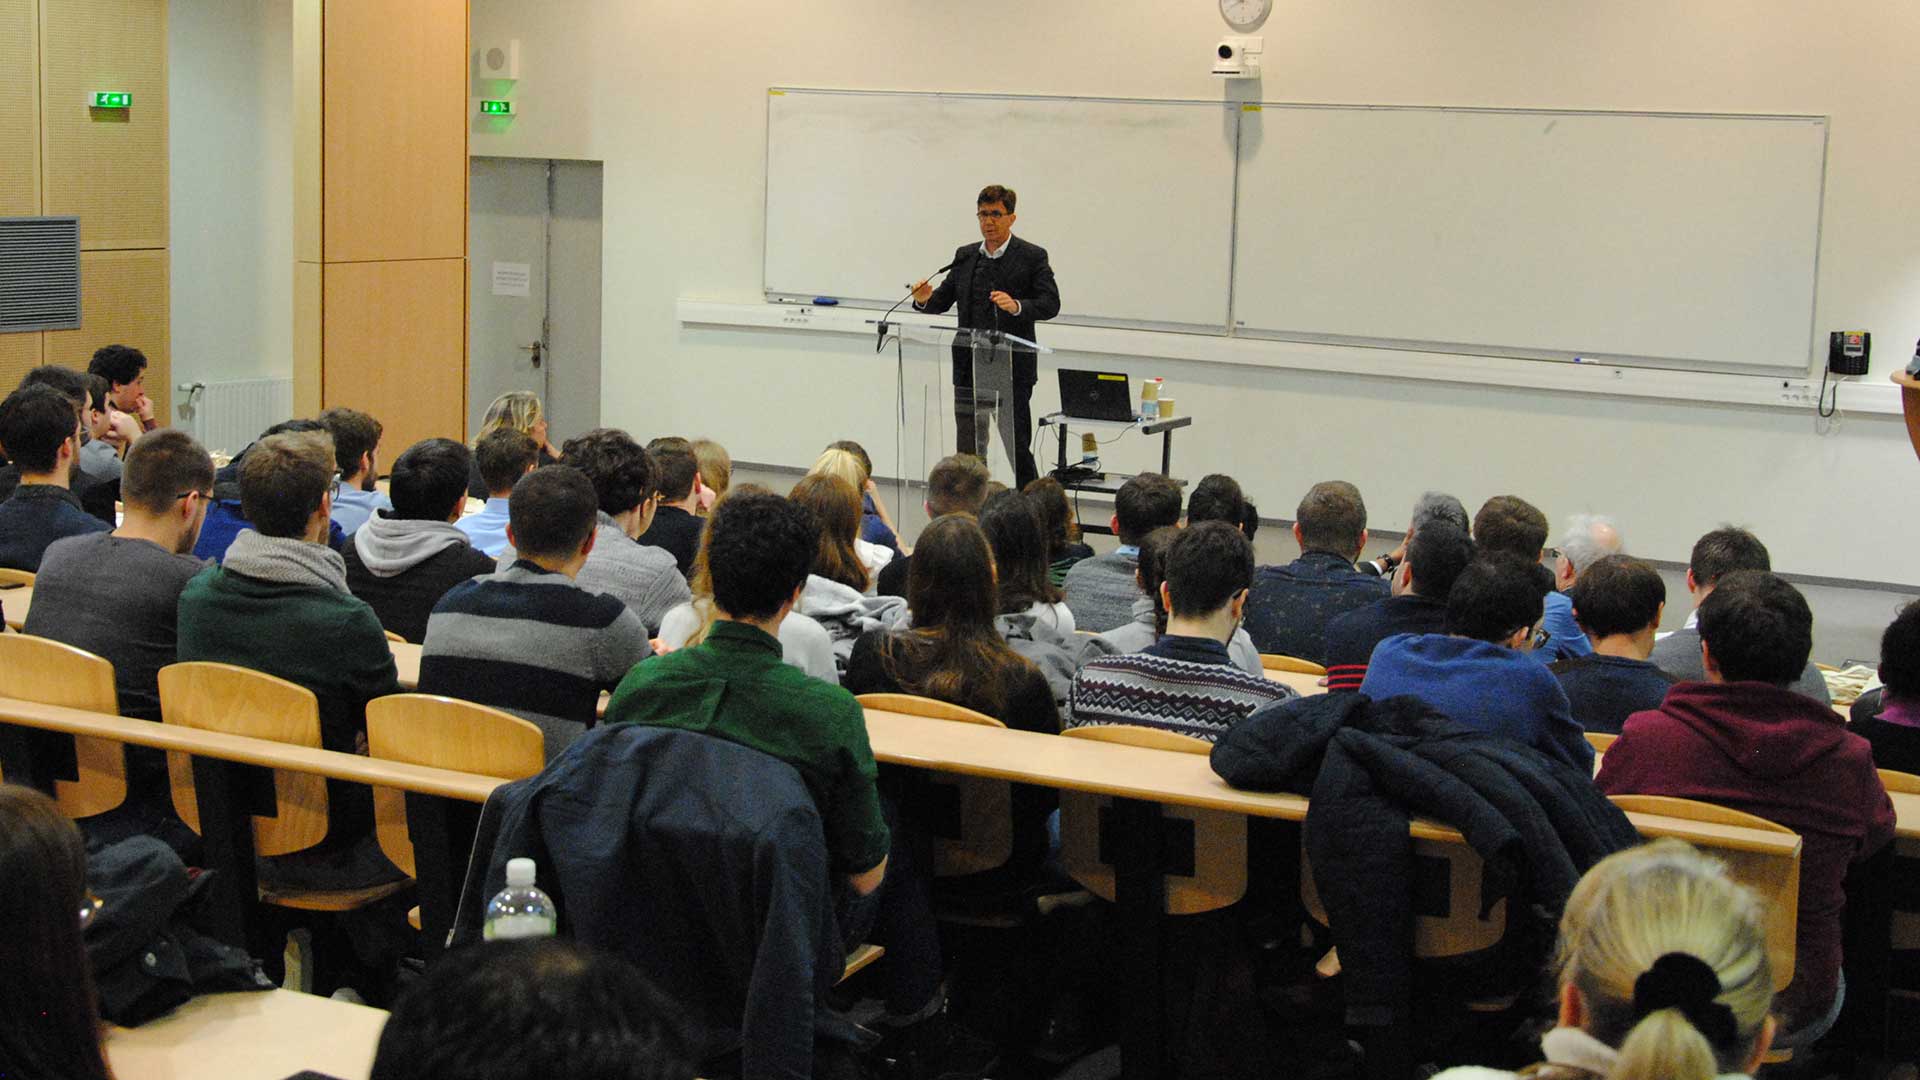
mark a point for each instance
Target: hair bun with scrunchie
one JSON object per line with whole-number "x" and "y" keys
{"x": 1685, "y": 982}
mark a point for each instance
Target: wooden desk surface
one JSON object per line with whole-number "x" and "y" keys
{"x": 16, "y": 602}
{"x": 250, "y": 1036}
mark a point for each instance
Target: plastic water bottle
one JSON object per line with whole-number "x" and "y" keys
{"x": 520, "y": 910}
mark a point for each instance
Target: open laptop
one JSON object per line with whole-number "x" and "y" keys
{"x": 1096, "y": 395}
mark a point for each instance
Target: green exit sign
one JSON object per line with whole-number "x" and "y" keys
{"x": 110, "y": 99}
{"x": 496, "y": 108}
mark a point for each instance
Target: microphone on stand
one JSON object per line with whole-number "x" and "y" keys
{"x": 880, "y": 337}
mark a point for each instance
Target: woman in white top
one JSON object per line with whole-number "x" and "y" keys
{"x": 1663, "y": 974}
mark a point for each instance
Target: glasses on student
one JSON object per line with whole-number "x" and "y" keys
{"x": 90, "y": 906}
{"x": 336, "y": 478}
{"x": 990, "y": 215}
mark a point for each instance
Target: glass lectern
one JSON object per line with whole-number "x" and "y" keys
{"x": 964, "y": 378}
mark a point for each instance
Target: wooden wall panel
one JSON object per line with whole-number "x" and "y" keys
{"x": 306, "y": 338}
{"x": 123, "y": 300}
{"x": 394, "y": 335}
{"x": 20, "y": 115}
{"x": 18, "y": 352}
{"x": 395, "y": 132}
{"x": 109, "y": 166}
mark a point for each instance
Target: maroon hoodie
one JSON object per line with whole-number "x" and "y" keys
{"x": 1783, "y": 756}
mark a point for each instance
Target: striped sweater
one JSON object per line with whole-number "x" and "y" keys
{"x": 1185, "y": 685}
{"x": 531, "y": 642}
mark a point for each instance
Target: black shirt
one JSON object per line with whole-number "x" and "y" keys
{"x": 676, "y": 532}
{"x": 1605, "y": 690}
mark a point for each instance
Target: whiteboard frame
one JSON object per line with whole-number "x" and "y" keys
{"x": 865, "y": 303}
{"x": 1825, "y": 122}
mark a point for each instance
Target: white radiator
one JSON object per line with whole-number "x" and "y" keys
{"x": 226, "y": 416}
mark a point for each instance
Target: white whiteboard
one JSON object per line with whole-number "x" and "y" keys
{"x": 1133, "y": 200}
{"x": 1681, "y": 241}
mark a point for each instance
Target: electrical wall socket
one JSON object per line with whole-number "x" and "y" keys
{"x": 1799, "y": 393}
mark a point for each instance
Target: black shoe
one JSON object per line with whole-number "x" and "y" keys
{"x": 938, "y": 1048}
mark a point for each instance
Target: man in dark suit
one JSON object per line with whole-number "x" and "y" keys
{"x": 1002, "y": 283}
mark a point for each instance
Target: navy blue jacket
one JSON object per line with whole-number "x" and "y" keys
{"x": 700, "y": 861}
{"x": 1604, "y": 690}
{"x": 34, "y": 517}
{"x": 1289, "y": 607}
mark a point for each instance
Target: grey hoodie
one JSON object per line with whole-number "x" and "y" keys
{"x": 389, "y": 547}
{"x": 286, "y": 561}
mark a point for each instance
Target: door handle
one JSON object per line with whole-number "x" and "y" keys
{"x": 536, "y": 349}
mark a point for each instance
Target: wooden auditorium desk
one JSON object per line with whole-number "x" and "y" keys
{"x": 250, "y": 1036}
{"x": 1304, "y": 684}
{"x": 16, "y": 602}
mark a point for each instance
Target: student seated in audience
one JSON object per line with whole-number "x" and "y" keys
{"x": 957, "y": 485}
{"x": 1718, "y": 553}
{"x": 41, "y": 430}
{"x": 1422, "y": 580}
{"x": 356, "y": 442}
{"x": 716, "y": 472}
{"x": 1101, "y": 591}
{"x": 675, "y": 528}
{"x": 804, "y": 643}
{"x": 531, "y": 1010}
{"x": 117, "y": 595}
{"x": 1030, "y": 604}
{"x": 279, "y": 604}
{"x": 1663, "y": 973}
{"x": 1217, "y": 497}
{"x": 843, "y": 558}
{"x": 1510, "y": 524}
{"x": 1057, "y": 523}
{"x": 96, "y": 493}
{"x": 49, "y": 1019}
{"x": 849, "y": 461}
{"x": 503, "y": 457}
{"x": 527, "y": 639}
{"x": 1186, "y": 682}
{"x": 403, "y": 560}
{"x": 125, "y": 369}
{"x": 109, "y": 433}
{"x": 1478, "y": 672}
{"x": 1894, "y": 730}
{"x": 1743, "y": 738}
{"x": 1617, "y": 602}
{"x": 953, "y": 651}
{"x": 1431, "y": 506}
{"x": 1150, "y": 611}
{"x": 1290, "y": 606}
{"x": 622, "y": 475}
{"x": 226, "y": 515}
{"x": 520, "y": 411}
{"x": 1588, "y": 539}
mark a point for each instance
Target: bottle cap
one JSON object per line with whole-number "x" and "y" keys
{"x": 519, "y": 872}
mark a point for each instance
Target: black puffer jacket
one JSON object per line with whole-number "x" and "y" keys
{"x": 1369, "y": 768}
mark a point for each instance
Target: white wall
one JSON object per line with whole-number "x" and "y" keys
{"x": 231, "y": 147}
{"x": 672, "y": 98}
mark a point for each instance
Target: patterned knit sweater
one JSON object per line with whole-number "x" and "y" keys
{"x": 1185, "y": 685}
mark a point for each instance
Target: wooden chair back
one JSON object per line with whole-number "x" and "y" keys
{"x": 52, "y": 673}
{"x": 985, "y": 840}
{"x": 240, "y": 701}
{"x": 1600, "y": 741}
{"x": 1779, "y": 893}
{"x": 10, "y": 576}
{"x": 1219, "y": 838}
{"x": 446, "y": 733}
{"x": 391, "y": 636}
{"x": 1458, "y": 930}
{"x": 1278, "y": 662}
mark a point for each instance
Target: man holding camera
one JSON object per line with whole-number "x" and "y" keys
{"x": 1003, "y": 283}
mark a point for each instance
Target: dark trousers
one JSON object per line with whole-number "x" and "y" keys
{"x": 974, "y": 416}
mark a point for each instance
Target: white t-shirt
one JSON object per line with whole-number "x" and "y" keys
{"x": 873, "y": 557}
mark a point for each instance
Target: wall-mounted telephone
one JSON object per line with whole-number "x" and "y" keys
{"x": 1848, "y": 351}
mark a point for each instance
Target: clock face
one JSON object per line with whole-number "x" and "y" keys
{"x": 1245, "y": 15}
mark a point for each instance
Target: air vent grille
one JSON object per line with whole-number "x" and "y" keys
{"x": 39, "y": 274}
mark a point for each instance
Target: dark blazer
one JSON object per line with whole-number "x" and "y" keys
{"x": 1021, "y": 272}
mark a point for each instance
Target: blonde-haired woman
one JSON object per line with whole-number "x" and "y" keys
{"x": 1663, "y": 974}
{"x": 716, "y": 472}
{"x": 521, "y": 411}
{"x": 848, "y": 460}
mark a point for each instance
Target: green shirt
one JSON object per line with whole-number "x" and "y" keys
{"x": 735, "y": 686}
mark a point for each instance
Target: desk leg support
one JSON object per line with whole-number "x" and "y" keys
{"x": 1140, "y": 895}
{"x": 1166, "y": 453}
{"x": 226, "y": 793}
{"x": 442, "y": 831}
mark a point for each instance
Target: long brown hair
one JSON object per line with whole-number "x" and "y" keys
{"x": 1019, "y": 552}
{"x": 48, "y": 1023}
{"x": 954, "y": 652}
{"x": 1153, "y": 570}
{"x": 1049, "y": 500}
{"x": 836, "y": 505}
